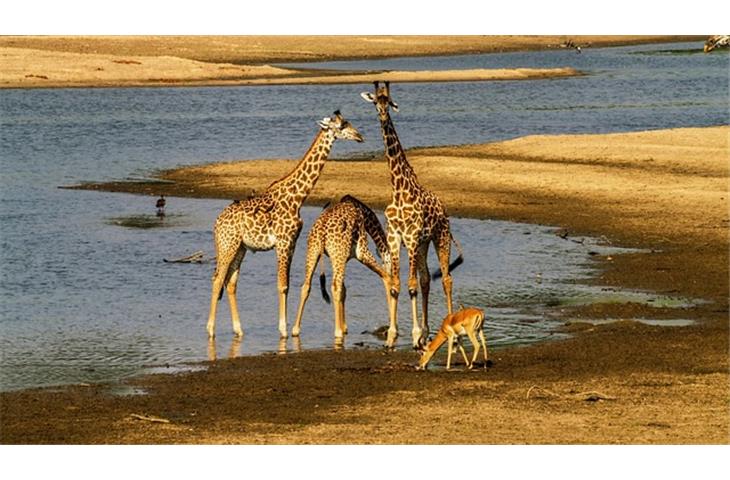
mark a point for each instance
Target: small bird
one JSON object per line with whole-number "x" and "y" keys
{"x": 161, "y": 206}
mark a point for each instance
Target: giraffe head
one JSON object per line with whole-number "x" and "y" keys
{"x": 381, "y": 99}
{"x": 340, "y": 127}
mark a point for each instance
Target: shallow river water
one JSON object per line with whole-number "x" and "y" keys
{"x": 85, "y": 298}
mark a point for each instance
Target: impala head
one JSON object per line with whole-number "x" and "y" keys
{"x": 425, "y": 356}
{"x": 340, "y": 127}
{"x": 381, "y": 98}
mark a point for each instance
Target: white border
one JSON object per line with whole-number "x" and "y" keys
{"x": 357, "y": 17}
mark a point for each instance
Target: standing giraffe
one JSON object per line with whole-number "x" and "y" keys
{"x": 415, "y": 217}
{"x": 341, "y": 232}
{"x": 270, "y": 220}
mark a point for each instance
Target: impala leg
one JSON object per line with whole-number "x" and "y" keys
{"x": 450, "y": 349}
{"x": 484, "y": 345}
{"x": 475, "y": 343}
{"x": 463, "y": 354}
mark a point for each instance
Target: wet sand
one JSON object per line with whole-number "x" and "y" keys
{"x": 665, "y": 192}
{"x": 103, "y": 61}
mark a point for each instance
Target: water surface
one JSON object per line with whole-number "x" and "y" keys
{"x": 86, "y": 296}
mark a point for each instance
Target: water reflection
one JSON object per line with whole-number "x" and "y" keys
{"x": 233, "y": 352}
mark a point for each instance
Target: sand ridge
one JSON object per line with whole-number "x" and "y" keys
{"x": 134, "y": 61}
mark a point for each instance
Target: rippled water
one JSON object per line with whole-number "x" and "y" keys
{"x": 86, "y": 298}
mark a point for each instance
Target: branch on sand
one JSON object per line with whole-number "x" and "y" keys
{"x": 147, "y": 418}
{"x": 590, "y": 396}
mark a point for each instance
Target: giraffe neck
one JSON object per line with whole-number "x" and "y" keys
{"x": 402, "y": 176}
{"x": 295, "y": 187}
{"x": 372, "y": 225}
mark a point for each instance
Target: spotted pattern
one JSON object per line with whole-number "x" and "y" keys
{"x": 341, "y": 232}
{"x": 416, "y": 217}
{"x": 270, "y": 221}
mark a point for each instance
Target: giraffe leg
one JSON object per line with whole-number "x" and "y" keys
{"x": 225, "y": 256}
{"x": 338, "y": 280}
{"x": 442, "y": 243}
{"x": 217, "y": 285}
{"x": 362, "y": 253}
{"x": 314, "y": 252}
{"x": 413, "y": 294}
{"x": 342, "y": 307}
{"x": 284, "y": 253}
{"x": 394, "y": 246}
{"x": 232, "y": 283}
{"x": 424, "y": 278}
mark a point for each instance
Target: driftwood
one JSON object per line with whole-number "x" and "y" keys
{"x": 196, "y": 257}
{"x": 592, "y": 396}
{"x": 146, "y": 418}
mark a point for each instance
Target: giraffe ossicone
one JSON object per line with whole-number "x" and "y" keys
{"x": 416, "y": 217}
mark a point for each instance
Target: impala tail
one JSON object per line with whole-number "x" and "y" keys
{"x": 459, "y": 260}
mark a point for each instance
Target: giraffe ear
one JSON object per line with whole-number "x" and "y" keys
{"x": 324, "y": 123}
{"x": 394, "y": 106}
{"x": 368, "y": 97}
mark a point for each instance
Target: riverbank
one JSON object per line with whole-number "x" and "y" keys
{"x": 26, "y": 68}
{"x": 664, "y": 192}
{"x": 48, "y": 61}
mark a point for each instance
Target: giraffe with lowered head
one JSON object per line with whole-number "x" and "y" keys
{"x": 416, "y": 217}
{"x": 270, "y": 221}
{"x": 341, "y": 232}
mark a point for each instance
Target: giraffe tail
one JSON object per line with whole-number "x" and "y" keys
{"x": 459, "y": 260}
{"x": 323, "y": 280}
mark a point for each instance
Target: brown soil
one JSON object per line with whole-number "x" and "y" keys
{"x": 624, "y": 382}
{"x": 103, "y": 61}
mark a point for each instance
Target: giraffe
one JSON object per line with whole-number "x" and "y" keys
{"x": 268, "y": 221}
{"x": 416, "y": 217}
{"x": 341, "y": 233}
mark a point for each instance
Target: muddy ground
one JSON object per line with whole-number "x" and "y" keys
{"x": 623, "y": 382}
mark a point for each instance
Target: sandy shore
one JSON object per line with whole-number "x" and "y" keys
{"x": 624, "y": 382}
{"x": 48, "y": 61}
{"x": 27, "y": 68}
